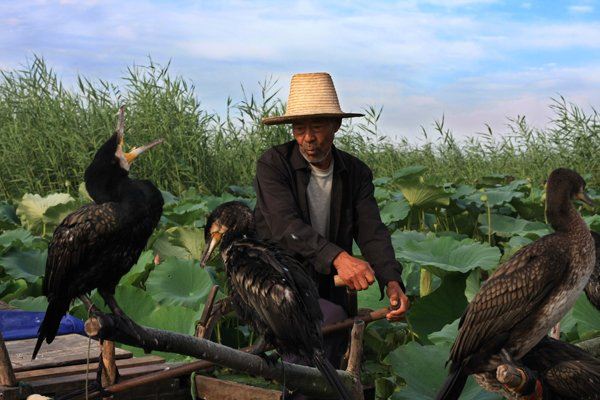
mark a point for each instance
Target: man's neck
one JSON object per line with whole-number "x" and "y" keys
{"x": 324, "y": 164}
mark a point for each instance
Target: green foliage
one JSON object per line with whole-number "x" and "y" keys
{"x": 179, "y": 282}
{"x": 439, "y": 228}
{"x": 50, "y": 131}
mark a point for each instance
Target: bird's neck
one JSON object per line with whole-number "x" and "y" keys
{"x": 103, "y": 187}
{"x": 561, "y": 213}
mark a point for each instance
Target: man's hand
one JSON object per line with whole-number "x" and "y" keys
{"x": 398, "y": 301}
{"x": 357, "y": 273}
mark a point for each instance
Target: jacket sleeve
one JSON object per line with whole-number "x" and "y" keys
{"x": 276, "y": 202}
{"x": 372, "y": 236}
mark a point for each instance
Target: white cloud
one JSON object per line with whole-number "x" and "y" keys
{"x": 420, "y": 59}
{"x": 580, "y": 9}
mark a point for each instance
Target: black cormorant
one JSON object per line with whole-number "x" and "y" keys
{"x": 96, "y": 245}
{"x": 527, "y": 295}
{"x": 270, "y": 289}
{"x": 556, "y": 370}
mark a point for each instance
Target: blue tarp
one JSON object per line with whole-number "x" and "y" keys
{"x": 16, "y": 324}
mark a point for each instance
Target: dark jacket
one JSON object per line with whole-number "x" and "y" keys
{"x": 282, "y": 215}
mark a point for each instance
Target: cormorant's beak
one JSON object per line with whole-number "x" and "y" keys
{"x": 136, "y": 151}
{"x": 208, "y": 250}
{"x": 583, "y": 196}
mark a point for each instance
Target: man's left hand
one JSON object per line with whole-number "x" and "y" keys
{"x": 398, "y": 301}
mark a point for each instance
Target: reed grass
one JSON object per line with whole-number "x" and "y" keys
{"x": 48, "y": 134}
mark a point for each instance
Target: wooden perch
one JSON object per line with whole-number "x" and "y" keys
{"x": 7, "y": 375}
{"x": 306, "y": 379}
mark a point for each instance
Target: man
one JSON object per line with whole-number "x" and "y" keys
{"x": 314, "y": 200}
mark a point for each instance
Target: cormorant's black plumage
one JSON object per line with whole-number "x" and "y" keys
{"x": 94, "y": 246}
{"x": 529, "y": 293}
{"x": 270, "y": 289}
{"x": 565, "y": 371}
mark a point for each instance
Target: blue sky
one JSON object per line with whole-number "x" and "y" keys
{"x": 473, "y": 61}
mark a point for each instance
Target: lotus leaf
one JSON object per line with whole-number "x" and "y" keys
{"x": 28, "y": 265}
{"x": 394, "y": 211}
{"x": 138, "y": 272}
{"x": 422, "y": 368}
{"x": 30, "y": 303}
{"x": 505, "y": 226}
{"x": 448, "y": 254}
{"x": 190, "y": 239}
{"x": 36, "y": 212}
{"x": 8, "y": 216}
{"x": 179, "y": 282}
{"x": 442, "y": 306}
{"x": 420, "y": 195}
{"x": 412, "y": 172}
{"x": 19, "y": 235}
{"x": 447, "y": 335}
{"x": 584, "y": 316}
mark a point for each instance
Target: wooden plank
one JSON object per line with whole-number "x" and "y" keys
{"x": 64, "y": 384}
{"x": 7, "y": 375}
{"x": 208, "y": 388}
{"x": 64, "y": 350}
{"x": 80, "y": 368}
{"x": 9, "y": 393}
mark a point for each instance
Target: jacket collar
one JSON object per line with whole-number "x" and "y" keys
{"x": 299, "y": 162}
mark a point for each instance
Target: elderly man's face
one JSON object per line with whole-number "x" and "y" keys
{"x": 315, "y": 138}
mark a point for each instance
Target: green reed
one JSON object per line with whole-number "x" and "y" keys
{"x": 49, "y": 133}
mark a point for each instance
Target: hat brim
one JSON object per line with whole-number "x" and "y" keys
{"x": 288, "y": 119}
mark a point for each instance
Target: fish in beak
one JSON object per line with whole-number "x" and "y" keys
{"x": 208, "y": 250}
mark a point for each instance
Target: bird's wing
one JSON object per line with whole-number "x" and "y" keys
{"x": 510, "y": 295}
{"x": 278, "y": 290}
{"x": 73, "y": 242}
{"x": 574, "y": 379}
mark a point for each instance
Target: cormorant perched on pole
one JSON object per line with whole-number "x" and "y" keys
{"x": 552, "y": 370}
{"x": 270, "y": 289}
{"x": 96, "y": 245}
{"x": 527, "y": 295}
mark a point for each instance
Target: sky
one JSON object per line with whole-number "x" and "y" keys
{"x": 474, "y": 62}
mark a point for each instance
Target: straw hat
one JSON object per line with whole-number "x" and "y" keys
{"x": 311, "y": 96}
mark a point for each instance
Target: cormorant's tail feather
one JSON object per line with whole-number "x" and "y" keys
{"x": 331, "y": 375}
{"x": 453, "y": 386}
{"x": 49, "y": 327}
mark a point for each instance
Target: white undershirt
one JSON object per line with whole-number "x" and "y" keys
{"x": 319, "y": 198}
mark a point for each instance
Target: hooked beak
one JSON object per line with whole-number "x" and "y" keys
{"x": 136, "y": 151}
{"x": 583, "y": 196}
{"x": 216, "y": 238}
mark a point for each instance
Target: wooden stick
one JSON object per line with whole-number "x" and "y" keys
{"x": 7, "y": 375}
{"x": 356, "y": 348}
{"x": 203, "y": 330}
{"x": 306, "y": 379}
{"x": 202, "y": 364}
{"x": 109, "y": 366}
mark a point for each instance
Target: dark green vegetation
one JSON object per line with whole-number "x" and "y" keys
{"x": 48, "y": 134}
{"x": 448, "y": 236}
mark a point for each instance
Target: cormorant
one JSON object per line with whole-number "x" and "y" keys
{"x": 527, "y": 295}
{"x": 96, "y": 245}
{"x": 557, "y": 371}
{"x": 270, "y": 289}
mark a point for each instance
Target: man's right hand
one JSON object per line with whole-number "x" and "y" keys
{"x": 357, "y": 273}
